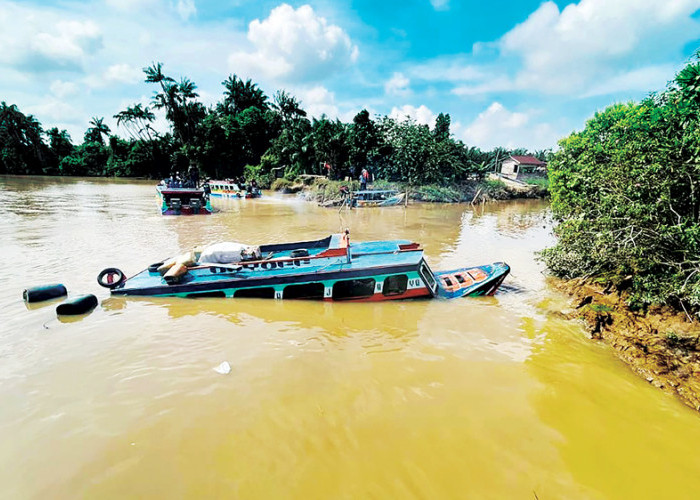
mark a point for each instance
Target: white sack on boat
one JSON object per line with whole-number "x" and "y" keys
{"x": 228, "y": 253}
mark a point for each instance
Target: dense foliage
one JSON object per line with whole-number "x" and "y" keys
{"x": 626, "y": 194}
{"x": 246, "y": 133}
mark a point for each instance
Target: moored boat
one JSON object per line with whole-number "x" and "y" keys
{"x": 330, "y": 269}
{"x": 230, "y": 189}
{"x": 367, "y": 198}
{"x": 183, "y": 201}
{"x": 377, "y": 198}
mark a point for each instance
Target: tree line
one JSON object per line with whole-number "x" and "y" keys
{"x": 626, "y": 195}
{"x": 245, "y": 133}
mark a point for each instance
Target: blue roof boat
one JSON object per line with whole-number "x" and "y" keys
{"x": 330, "y": 269}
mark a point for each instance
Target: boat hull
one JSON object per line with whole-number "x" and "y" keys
{"x": 471, "y": 281}
{"x": 368, "y": 285}
{"x": 389, "y": 202}
{"x": 329, "y": 269}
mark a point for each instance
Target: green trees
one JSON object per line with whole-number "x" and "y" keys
{"x": 244, "y": 129}
{"x": 22, "y": 150}
{"x": 626, "y": 194}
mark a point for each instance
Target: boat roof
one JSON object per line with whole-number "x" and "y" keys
{"x": 326, "y": 256}
{"x": 167, "y": 190}
{"x": 376, "y": 191}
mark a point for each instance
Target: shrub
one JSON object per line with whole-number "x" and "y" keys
{"x": 626, "y": 196}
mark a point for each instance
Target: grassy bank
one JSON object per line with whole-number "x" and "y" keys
{"x": 321, "y": 189}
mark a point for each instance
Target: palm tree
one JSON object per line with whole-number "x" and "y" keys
{"x": 137, "y": 121}
{"x": 287, "y": 106}
{"x": 178, "y": 101}
{"x": 97, "y": 129}
{"x": 240, "y": 95}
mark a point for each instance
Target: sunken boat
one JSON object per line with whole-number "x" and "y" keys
{"x": 330, "y": 269}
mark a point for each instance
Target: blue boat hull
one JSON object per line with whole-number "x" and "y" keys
{"x": 329, "y": 269}
{"x": 471, "y": 281}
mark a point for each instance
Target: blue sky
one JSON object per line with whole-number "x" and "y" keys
{"x": 510, "y": 73}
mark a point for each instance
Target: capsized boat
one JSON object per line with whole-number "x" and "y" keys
{"x": 330, "y": 269}
{"x": 183, "y": 201}
{"x": 230, "y": 189}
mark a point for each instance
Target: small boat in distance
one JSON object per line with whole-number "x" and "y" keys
{"x": 377, "y": 198}
{"x": 183, "y": 201}
{"x": 330, "y": 269}
{"x": 230, "y": 189}
{"x": 367, "y": 198}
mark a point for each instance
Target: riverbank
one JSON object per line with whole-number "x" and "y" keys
{"x": 660, "y": 344}
{"x": 320, "y": 190}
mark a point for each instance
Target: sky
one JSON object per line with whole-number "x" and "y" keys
{"x": 511, "y": 73}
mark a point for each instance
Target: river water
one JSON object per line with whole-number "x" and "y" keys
{"x": 495, "y": 397}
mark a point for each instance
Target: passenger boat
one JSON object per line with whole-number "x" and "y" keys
{"x": 230, "y": 189}
{"x": 367, "y": 198}
{"x": 330, "y": 269}
{"x": 183, "y": 201}
{"x": 377, "y": 198}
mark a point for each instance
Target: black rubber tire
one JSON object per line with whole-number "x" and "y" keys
{"x": 153, "y": 268}
{"x": 110, "y": 270}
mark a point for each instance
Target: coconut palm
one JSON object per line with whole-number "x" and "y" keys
{"x": 240, "y": 95}
{"x": 287, "y": 106}
{"x": 97, "y": 129}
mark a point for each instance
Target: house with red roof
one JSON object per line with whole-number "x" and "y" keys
{"x": 521, "y": 167}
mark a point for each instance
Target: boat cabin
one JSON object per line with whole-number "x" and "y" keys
{"x": 184, "y": 201}
{"x": 374, "y": 195}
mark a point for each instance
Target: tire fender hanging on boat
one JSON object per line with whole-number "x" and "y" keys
{"x": 110, "y": 277}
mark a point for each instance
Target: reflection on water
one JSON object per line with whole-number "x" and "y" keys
{"x": 493, "y": 397}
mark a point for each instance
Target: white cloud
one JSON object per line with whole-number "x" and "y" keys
{"x": 452, "y": 69}
{"x": 570, "y": 50}
{"x": 397, "y": 84}
{"x": 644, "y": 79}
{"x": 37, "y": 41}
{"x": 55, "y": 110}
{"x": 318, "y": 101}
{"x": 131, "y": 5}
{"x": 421, "y": 114}
{"x": 440, "y": 4}
{"x": 296, "y": 44}
{"x": 186, "y": 9}
{"x": 123, "y": 73}
{"x": 497, "y": 126}
{"x": 63, "y": 89}
{"x": 500, "y": 84}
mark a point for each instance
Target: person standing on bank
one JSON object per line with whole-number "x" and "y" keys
{"x": 364, "y": 177}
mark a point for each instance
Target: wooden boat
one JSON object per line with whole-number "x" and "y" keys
{"x": 230, "y": 189}
{"x": 330, "y": 269}
{"x": 183, "y": 201}
{"x": 367, "y": 198}
{"x": 377, "y": 198}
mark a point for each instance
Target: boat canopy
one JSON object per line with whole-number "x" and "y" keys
{"x": 377, "y": 191}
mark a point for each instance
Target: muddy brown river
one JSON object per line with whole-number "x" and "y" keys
{"x": 494, "y": 397}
